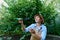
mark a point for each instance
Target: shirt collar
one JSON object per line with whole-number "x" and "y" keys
{"x": 40, "y": 25}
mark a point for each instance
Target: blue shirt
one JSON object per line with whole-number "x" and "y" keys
{"x": 41, "y": 29}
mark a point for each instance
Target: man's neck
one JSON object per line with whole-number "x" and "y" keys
{"x": 38, "y": 24}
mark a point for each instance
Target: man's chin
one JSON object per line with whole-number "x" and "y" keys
{"x": 36, "y": 21}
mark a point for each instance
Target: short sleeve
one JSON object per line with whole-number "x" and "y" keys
{"x": 44, "y": 33}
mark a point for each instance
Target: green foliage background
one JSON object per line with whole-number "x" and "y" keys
{"x": 26, "y": 9}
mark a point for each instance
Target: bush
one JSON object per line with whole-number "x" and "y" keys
{"x": 26, "y": 10}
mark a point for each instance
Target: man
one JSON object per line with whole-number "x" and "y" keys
{"x": 38, "y": 30}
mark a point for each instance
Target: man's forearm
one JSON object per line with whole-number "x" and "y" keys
{"x": 23, "y": 27}
{"x": 37, "y": 36}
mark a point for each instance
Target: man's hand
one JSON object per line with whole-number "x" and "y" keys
{"x": 32, "y": 31}
{"x": 35, "y": 35}
{"x": 20, "y": 21}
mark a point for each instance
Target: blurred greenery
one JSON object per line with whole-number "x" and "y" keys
{"x": 26, "y": 9}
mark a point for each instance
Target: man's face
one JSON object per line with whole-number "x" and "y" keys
{"x": 37, "y": 19}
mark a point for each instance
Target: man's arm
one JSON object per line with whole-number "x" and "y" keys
{"x": 23, "y": 27}
{"x": 37, "y": 36}
{"x": 22, "y": 24}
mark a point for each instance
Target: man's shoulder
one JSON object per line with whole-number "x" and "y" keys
{"x": 44, "y": 26}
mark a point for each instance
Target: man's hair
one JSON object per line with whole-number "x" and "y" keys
{"x": 41, "y": 17}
